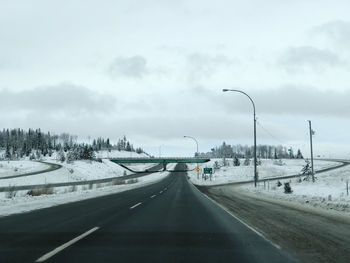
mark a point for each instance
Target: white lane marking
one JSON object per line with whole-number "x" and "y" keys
{"x": 65, "y": 245}
{"x": 135, "y": 205}
{"x": 153, "y": 196}
{"x": 241, "y": 221}
{"x": 161, "y": 192}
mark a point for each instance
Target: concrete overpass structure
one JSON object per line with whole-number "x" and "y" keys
{"x": 161, "y": 160}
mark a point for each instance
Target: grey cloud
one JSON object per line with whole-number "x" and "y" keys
{"x": 130, "y": 67}
{"x": 290, "y": 100}
{"x": 307, "y": 57}
{"x": 337, "y": 31}
{"x": 60, "y": 98}
{"x": 204, "y": 65}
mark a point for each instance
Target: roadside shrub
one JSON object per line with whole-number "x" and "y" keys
{"x": 11, "y": 193}
{"x": 287, "y": 188}
{"x": 279, "y": 183}
{"x": 132, "y": 181}
{"x": 46, "y": 190}
{"x": 72, "y": 188}
{"x": 118, "y": 182}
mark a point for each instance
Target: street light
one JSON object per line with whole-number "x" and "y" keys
{"x": 160, "y": 150}
{"x": 197, "y": 153}
{"x": 255, "y": 161}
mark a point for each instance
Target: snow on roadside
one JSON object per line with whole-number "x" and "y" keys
{"x": 61, "y": 195}
{"x": 10, "y": 168}
{"x": 230, "y": 174}
{"x": 329, "y": 191}
{"x": 81, "y": 170}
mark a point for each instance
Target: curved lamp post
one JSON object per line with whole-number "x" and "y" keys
{"x": 255, "y": 161}
{"x": 197, "y": 153}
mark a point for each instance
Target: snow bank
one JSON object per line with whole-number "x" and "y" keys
{"x": 10, "y": 168}
{"x": 81, "y": 170}
{"x": 22, "y": 202}
{"x": 267, "y": 169}
{"x": 327, "y": 192}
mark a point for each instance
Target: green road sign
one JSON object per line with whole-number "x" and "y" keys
{"x": 208, "y": 170}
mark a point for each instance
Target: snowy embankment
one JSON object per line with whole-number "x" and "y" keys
{"x": 22, "y": 202}
{"x": 12, "y": 168}
{"x": 329, "y": 191}
{"x": 70, "y": 172}
{"x": 267, "y": 169}
{"x": 13, "y": 201}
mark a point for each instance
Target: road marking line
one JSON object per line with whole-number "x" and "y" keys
{"x": 65, "y": 245}
{"x": 240, "y": 220}
{"x": 153, "y": 196}
{"x": 161, "y": 192}
{"x": 135, "y": 205}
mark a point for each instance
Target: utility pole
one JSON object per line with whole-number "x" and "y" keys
{"x": 312, "y": 154}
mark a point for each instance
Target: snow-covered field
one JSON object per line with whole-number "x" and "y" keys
{"x": 267, "y": 169}
{"x": 10, "y": 168}
{"x": 22, "y": 202}
{"x": 76, "y": 171}
{"x": 329, "y": 191}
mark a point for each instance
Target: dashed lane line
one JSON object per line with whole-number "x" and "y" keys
{"x": 65, "y": 245}
{"x": 135, "y": 205}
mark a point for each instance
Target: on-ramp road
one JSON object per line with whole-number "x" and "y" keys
{"x": 170, "y": 221}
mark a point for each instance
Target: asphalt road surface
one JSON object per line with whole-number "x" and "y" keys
{"x": 310, "y": 234}
{"x": 170, "y": 221}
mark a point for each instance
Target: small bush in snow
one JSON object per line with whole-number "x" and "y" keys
{"x": 71, "y": 170}
{"x": 11, "y": 193}
{"x": 73, "y": 188}
{"x": 278, "y": 162}
{"x": 279, "y": 183}
{"x": 46, "y": 190}
{"x": 287, "y": 188}
{"x": 118, "y": 182}
{"x": 236, "y": 162}
{"x": 246, "y": 162}
{"x": 132, "y": 181}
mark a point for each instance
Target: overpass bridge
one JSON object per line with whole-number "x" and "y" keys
{"x": 160, "y": 160}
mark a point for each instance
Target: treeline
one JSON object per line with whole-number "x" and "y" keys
{"x": 17, "y": 143}
{"x": 245, "y": 151}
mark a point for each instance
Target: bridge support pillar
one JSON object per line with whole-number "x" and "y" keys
{"x": 164, "y": 166}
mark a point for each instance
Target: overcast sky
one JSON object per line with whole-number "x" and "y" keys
{"x": 154, "y": 70}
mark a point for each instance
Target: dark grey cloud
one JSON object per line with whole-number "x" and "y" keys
{"x": 130, "y": 67}
{"x": 338, "y": 32}
{"x": 308, "y": 57}
{"x": 64, "y": 97}
{"x": 289, "y": 100}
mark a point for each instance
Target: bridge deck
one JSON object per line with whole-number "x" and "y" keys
{"x": 160, "y": 160}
